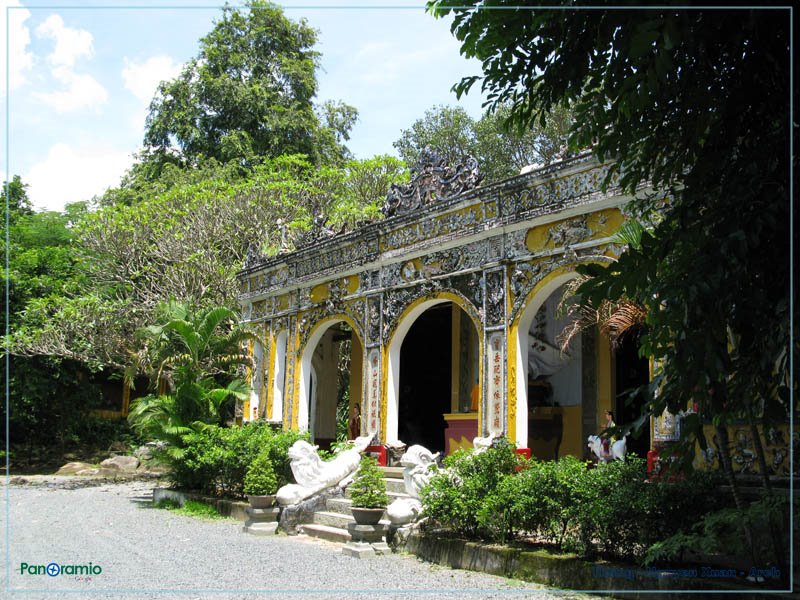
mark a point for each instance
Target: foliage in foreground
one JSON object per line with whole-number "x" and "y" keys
{"x": 195, "y": 353}
{"x": 693, "y": 103}
{"x": 611, "y": 510}
{"x": 215, "y": 460}
{"x": 368, "y": 489}
{"x": 260, "y": 479}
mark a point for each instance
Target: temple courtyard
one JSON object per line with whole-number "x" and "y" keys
{"x": 143, "y": 552}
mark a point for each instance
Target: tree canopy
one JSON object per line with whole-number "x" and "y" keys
{"x": 249, "y": 92}
{"x": 501, "y": 152}
{"x": 187, "y": 243}
{"x": 695, "y": 103}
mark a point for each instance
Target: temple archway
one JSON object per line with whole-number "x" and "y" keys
{"x": 323, "y": 386}
{"x": 434, "y": 375}
{"x": 550, "y": 388}
{"x": 275, "y": 412}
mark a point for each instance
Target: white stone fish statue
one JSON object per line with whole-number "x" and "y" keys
{"x": 617, "y": 450}
{"x": 314, "y": 474}
{"x": 418, "y": 471}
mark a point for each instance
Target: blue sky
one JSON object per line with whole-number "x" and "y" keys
{"x": 81, "y": 75}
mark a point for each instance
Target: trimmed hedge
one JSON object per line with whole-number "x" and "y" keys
{"x": 215, "y": 460}
{"x": 611, "y": 509}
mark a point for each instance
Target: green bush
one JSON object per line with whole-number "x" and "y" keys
{"x": 455, "y": 498}
{"x": 368, "y": 489}
{"x": 261, "y": 479}
{"x": 610, "y": 504}
{"x": 611, "y": 509}
{"x": 215, "y": 459}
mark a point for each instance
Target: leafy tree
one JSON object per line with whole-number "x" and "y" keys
{"x": 188, "y": 242}
{"x": 695, "y": 103}
{"x": 48, "y": 396}
{"x": 501, "y": 152}
{"x": 248, "y": 93}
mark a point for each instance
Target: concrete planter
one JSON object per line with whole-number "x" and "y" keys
{"x": 261, "y": 501}
{"x": 367, "y": 516}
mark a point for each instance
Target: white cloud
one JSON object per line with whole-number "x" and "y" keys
{"x": 19, "y": 37}
{"x": 78, "y": 90}
{"x": 72, "y": 174}
{"x": 81, "y": 91}
{"x": 142, "y": 79}
{"x": 70, "y": 44}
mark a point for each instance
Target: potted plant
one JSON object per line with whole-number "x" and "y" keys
{"x": 368, "y": 493}
{"x": 261, "y": 482}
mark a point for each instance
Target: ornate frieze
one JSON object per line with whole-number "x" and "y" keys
{"x": 469, "y": 286}
{"x": 562, "y": 191}
{"x": 525, "y": 276}
{"x": 347, "y": 253}
{"x": 432, "y": 179}
{"x": 373, "y": 327}
{"x": 495, "y": 297}
{"x": 570, "y": 232}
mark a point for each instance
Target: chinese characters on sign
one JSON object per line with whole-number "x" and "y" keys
{"x": 373, "y": 390}
{"x": 495, "y": 384}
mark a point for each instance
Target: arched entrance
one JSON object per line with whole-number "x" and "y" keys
{"x": 552, "y": 387}
{"x": 630, "y": 372}
{"x": 434, "y": 373}
{"x": 330, "y": 375}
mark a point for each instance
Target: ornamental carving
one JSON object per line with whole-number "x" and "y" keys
{"x": 373, "y": 320}
{"x": 569, "y": 233}
{"x": 432, "y": 179}
{"x": 495, "y": 296}
{"x": 469, "y": 286}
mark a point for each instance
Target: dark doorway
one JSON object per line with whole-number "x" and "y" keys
{"x": 425, "y": 364}
{"x": 631, "y": 372}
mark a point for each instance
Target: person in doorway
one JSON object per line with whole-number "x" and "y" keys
{"x": 354, "y": 425}
{"x": 608, "y": 439}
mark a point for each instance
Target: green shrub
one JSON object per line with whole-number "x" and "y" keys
{"x": 261, "y": 479}
{"x": 215, "y": 459}
{"x": 368, "y": 489}
{"x": 455, "y": 497}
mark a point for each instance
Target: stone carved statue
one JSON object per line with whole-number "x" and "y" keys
{"x": 314, "y": 474}
{"x": 481, "y": 444}
{"x": 617, "y": 450}
{"x": 432, "y": 179}
{"x": 418, "y": 471}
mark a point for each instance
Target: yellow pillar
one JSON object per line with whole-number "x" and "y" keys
{"x": 356, "y": 368}
{"x": 455, "y": 357}
{"x": 605, "y": 378}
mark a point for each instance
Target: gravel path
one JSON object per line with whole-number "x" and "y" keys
{"x": 151, "y": 553}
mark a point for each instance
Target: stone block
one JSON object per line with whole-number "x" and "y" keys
{"x": 263, "y": 514}
{"x": 381, "y": 548}
{"x": 260, "y": 528}
{"x": 366, "y": 533}
{"x": 126, "y": 464}
{"x": 358, "y": 550}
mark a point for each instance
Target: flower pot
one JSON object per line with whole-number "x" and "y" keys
{"x": 261, "y": 501}
{"x": 367, "y": 516}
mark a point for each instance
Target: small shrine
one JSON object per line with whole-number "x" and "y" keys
{"x": 446, "y": 313}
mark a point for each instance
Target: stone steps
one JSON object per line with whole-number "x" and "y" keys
{"x": 392, "y": 472}
{"x": 324, "y": 532}
{"x": 394, "y": 487}
{"x": 331, "y": 524}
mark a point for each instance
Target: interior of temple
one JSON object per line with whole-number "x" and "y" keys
{"x": 439, "y": 375}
